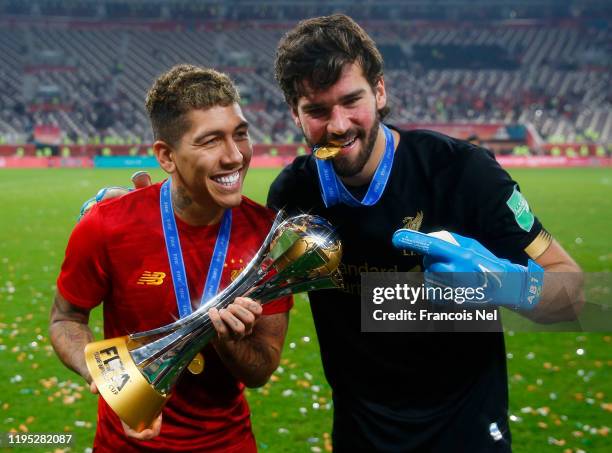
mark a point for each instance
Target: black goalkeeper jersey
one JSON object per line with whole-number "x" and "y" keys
{"x": 406, "y": 391}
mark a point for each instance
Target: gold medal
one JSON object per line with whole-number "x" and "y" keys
{"x": 327, "y": 152}
{"x": 197, "y": 364}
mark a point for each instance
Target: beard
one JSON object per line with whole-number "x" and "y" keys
{"x": 347, "y": 168}
{"x": 350, "y": 167}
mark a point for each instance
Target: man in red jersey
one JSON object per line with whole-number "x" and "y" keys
{"x": 117, "y": 255}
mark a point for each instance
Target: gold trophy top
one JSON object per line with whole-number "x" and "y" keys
{"x": 311, "y": 237}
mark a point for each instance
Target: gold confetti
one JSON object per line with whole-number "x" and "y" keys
{"x": 544, "y": 411}
{"x": 327, "y": 445}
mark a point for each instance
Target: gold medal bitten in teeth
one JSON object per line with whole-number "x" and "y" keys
{"x": 327, "y": 152}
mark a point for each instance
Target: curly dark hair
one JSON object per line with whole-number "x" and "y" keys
{"x": 181, "y": 89}
{"x": 317, "y": 49}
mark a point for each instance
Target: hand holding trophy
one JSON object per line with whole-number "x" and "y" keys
{"x": 135, "y": 374}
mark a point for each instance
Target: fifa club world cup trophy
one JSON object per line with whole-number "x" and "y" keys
{"x": 135, "y": 374}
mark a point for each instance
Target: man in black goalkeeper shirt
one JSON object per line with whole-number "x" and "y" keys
{"x": 438, "y": 392}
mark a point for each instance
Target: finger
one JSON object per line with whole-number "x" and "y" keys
{"x": 218, "y": 324}
{"x": 241, "y": 313}
{"x": 141, "y": 179}
{"x": 156, "y": 425}
{"x": 441, "y": 268}
{"x": 93, "y": 388}
{"x": 424, "y": 244}
{"x": 250, "y": 304}
{"x": 145, "y": 434}
{"x": 236, "y": 327}
{"x": 244, "y": 316}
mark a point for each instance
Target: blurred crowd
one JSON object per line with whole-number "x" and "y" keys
{"x": 90, "y": 81}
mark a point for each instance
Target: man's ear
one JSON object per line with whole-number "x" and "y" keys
{"x": 295, "y": 117}
{"x": 165, "y": 156}
{"x": 380, "y": 93}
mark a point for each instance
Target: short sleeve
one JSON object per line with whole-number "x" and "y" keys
{"x": 83, "y": 279}
{"x": 500, "y": 214}
{"x": 282, "y": 305}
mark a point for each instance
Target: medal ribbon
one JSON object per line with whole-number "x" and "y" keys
{"x": 333, "y": 191}
{"x": 175, "y": 255}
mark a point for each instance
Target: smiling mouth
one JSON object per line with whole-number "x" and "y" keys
{"x": 339, "y": 144}
{"x": 227, "y": 180}
{"x": 349, "y": 143}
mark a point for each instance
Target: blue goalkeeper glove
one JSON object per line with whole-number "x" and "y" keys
{"x": 140, "y": 179}
{"x": 452, "y": 260}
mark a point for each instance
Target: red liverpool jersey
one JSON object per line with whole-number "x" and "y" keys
{"x": 116, "y": 254}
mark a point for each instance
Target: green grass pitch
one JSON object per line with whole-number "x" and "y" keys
{"x": 560, "y": 383}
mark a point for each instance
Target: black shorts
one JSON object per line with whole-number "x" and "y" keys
{"x": 474, "y": 425}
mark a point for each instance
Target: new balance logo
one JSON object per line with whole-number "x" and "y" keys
{"x": 151, "y": 278}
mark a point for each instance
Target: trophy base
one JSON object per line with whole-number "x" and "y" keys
{"x": 121, "y": 383}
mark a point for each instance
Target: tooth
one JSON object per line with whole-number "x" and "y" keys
{"x": 228, "y": 180}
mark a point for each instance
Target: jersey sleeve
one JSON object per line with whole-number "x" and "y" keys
{"x": 503, "y": 220}
{"x": 282, "y": 305}
{"x": 83, "y": 279}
